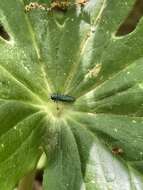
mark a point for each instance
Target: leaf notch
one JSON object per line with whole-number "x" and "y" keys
{"x": 131, "y": 21}
{"x": 3, "y": 33}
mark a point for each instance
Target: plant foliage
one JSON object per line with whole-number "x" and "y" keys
{"x": 95, "y": 142}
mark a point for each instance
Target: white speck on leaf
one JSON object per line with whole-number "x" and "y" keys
{"x": 15, "y": 128}
{"x": 134, "y": 121}
{"x": 116, "y": 130}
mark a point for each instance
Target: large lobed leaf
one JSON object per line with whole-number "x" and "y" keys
{"x": 74, "y": 52}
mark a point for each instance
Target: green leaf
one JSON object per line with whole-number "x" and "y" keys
{"x": 64, "y": 167}
{"x": 95, "y": 142}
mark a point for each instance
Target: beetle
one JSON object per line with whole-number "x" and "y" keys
{"x": 62, "y": 98}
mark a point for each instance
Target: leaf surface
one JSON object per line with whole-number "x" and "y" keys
{"x": 94, "y": 143}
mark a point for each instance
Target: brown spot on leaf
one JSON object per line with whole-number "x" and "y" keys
{"x": 117, "y": 151}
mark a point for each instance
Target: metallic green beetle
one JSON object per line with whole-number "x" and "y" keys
{"x": 62, "y": 98}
